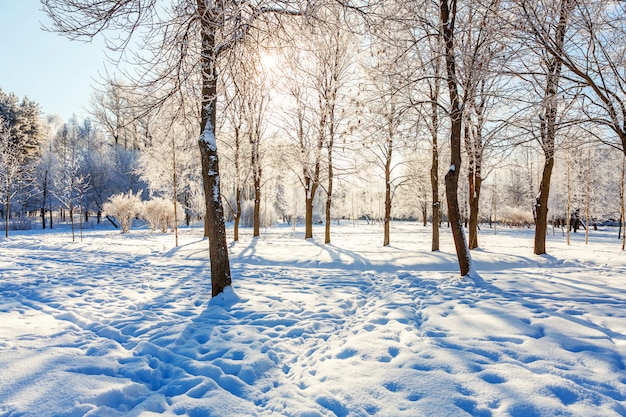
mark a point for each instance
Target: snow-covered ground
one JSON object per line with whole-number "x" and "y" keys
{"x": 122, "y": 325}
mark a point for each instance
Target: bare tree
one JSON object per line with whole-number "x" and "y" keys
{"x": 11, "y": 170}
{"x": 541, "y": 20}
{"x": 183, "y": 45}
{"x": 447, "y": 15}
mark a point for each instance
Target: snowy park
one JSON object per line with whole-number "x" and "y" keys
{"x": 124, "y": 325}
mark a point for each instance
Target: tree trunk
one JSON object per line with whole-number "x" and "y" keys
{"x": 329, "y": 195}
{"x": 541, "y": 227}
{"x": 448, "y": 15}
{"x": 214, "y": 223}
{"x": 310, "y": 189}
{"x": 72, "y": 222}
{"x": 237, "y": 213}
{"x": 44, "y": 198}
{"x": 475, "y": 183}
{"x": 7, "y": 207}
{"x": 257, "y": 207}
{"x": 434, "y": 183}
{"x": 256, "y": 173}
{"x": 387, "y": 220}
{"x": 548, "y": 133}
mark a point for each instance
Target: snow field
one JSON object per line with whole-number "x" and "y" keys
{"x": 121, "y": 325}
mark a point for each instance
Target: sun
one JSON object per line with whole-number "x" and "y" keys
{"x": 269, "y": 61}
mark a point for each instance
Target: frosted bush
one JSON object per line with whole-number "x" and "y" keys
{"x": 124, "y": 207}
{"x": 515, "y": 216}
{"x": 159, "y": 213}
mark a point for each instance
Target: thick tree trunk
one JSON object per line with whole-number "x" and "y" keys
{"x": 448, "y": 14}
{"x": 218, "y": 251}
{"x": 541, "y": 227}
{"x": 214, "y": 221}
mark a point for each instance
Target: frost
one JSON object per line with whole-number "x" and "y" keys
{"x": 216, "y": 189}
{"x": 208, "y": 136}
{"x": 452, "y": 168}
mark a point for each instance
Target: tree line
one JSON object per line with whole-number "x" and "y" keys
{"x": 326, "y": 96}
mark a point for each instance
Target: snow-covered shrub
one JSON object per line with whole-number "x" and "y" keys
{"x": 515, "y": 216}
{"x": 124, "y": 207}
{"x": 159, "y": 213}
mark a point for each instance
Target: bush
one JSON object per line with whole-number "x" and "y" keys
{"x": 124, "y": 207}
{"x": 515, "y": 216}
{"x": 159, "y": 213}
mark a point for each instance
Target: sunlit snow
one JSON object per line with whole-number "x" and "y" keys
{"x": 122, "y": 325}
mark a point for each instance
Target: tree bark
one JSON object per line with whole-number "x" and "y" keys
{"x": 218, "y": 251}
{"x": 448, "y": 15}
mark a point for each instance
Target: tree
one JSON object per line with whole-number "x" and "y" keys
{"x": 45, "y": 170}
{"x": 556, "y": 30}
{"x": 167, "y": 165}
{"x": 447, "y": 16}
{"x": 11, "y": 170}
{"x": 480, "y": 74}
{"x": 388, "y": 123}
{"x": 303, "y": 124}
{"x": 184, "y": 45}
{"x": 124, "y": 207}
{"x": 593, "y": 55}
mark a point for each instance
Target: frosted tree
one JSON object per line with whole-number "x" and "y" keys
{"x": 167, "y": 166}
{"x": 302, "y": 127}
{"x": 11, "y": 170}
{"x": 387, "y": 125}
{"x": 183, "y": 44}
{"x": 69, "y": 189}
{"x": 45, "y": 169}
{"x": 550, "y": 18}
{"x": 594, "y": 56}
{"x": 447, "y": 24}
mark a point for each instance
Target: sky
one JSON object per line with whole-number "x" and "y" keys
{"x": 49, "y": 69}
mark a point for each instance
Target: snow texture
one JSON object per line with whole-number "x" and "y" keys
{"x": 208, "y": 136}
{"x": 122, "y": 325}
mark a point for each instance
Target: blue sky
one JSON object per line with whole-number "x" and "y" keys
{"x": 51, "y": 70}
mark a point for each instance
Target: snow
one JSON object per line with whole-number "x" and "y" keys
{"x": 208, "y": 136}
{"x": 123, "y": 325}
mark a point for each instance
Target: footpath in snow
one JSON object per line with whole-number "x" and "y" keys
{"x": 122, "y": 325}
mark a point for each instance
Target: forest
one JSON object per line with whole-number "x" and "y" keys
{"x": 462, "y": 115}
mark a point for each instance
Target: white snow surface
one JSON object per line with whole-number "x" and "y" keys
{"x": 123, "y": 325}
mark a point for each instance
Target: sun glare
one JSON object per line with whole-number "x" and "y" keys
{"x": 268, "y": 61}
